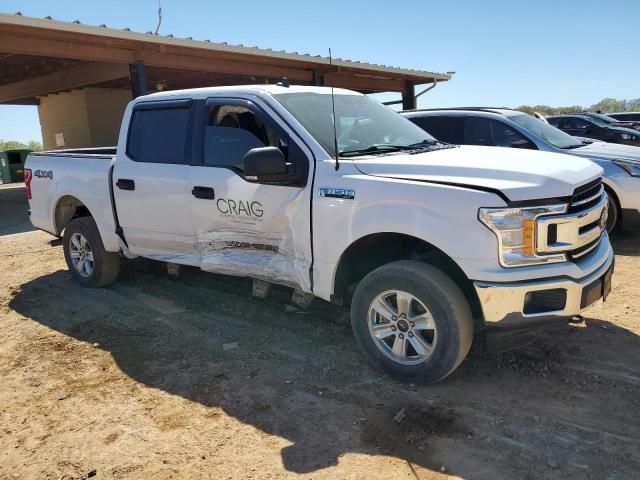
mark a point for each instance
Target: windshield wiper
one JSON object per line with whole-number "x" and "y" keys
{"x": 387, "y": 148}
{"x": 378, "y": 148}
{"x": 425, "y": 143}
{"x": 575, "y": 145}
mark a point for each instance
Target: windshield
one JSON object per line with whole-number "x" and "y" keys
{"x": 605, "y": 118}
{"x": 363, "y": 126}
{"x": 598, "y": 121}
{"x": 551, "y": 134}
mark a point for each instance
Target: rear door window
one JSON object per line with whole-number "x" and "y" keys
{"x": 574, "y": 123}
{"x": 477, "y": 131}
{"x": 444, "y": 128}
{"x": 506, "y": 136}
{"x": 494, "y": 133}
{"x": 159, "y": 135}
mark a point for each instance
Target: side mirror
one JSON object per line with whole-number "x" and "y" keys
{"x": 265, "y": 164}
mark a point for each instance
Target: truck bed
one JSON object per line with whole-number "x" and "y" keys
{"x": 99, "y": 152}
{"x": 62, "y": 177}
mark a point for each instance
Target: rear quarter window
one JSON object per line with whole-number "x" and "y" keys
{"x": 444, "y": 128}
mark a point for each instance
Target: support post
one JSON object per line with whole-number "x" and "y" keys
{"x": 318, "y": 78}
{"x": 138, "y": 77}
{"x": 408, "y": 96}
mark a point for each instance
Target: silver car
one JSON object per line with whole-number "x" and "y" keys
{"x": 503, "y": 127}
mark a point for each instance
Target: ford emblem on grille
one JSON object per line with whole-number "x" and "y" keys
{"x": 603, "y": 218}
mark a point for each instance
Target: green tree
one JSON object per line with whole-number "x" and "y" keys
{"x": 606, "y": 105}
{"x": 15, "y": 145}
{"x": 609, "y": 105}
{"x": 34, "y": 145}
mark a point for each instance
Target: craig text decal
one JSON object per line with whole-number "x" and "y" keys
{"x": 240, "y": 211}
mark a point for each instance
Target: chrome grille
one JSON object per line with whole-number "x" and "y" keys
{"x": 580, "y": 253}
{"x": 586, "y": 196}
{"x": 578, "y": 232}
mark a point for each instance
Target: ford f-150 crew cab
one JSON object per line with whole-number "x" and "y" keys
{"x": 427, "y": 242}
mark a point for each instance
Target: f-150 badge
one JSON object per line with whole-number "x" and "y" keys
{"x": 343, "y": 193}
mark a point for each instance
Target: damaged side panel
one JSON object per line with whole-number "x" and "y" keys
{"x": 254, "y": 230}
{"x": 270, "y": 257}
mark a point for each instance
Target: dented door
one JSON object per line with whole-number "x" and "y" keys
{"x": 243, "y": 227}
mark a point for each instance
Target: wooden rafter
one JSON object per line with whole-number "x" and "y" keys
{"x": 67, "y": 79}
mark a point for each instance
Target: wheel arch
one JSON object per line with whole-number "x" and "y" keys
{"x": 66, "y": 208}
{"x": 372, "y": 251}
{"x": 611, "y": 191}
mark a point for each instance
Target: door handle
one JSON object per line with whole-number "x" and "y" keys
{"x": 126, "y": 184}
{"x": 206, "y": 193}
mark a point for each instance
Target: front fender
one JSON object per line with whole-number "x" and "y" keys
{"x": 441, "y": 215}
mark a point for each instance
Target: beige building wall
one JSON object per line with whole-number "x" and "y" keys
{"x": 64, "y": 113}
{"x": 89, "y": 117}
{"x": 105, "y": 109}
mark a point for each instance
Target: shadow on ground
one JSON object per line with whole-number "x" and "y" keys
{"x": 626, "y": 242}
{"x": 299, "y": 376}
{"x": 14, "y": 217}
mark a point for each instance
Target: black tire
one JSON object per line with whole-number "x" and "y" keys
{"x": 105, "y": 265}
{"x": 440, "y": 295}
{"x": 613, "y": 217}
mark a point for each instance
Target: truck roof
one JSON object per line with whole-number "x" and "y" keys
{"x": 268, "y": 89}
{"x": 433, "y": 111}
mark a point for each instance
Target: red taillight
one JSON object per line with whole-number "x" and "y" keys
{"x": 27, "y": 181}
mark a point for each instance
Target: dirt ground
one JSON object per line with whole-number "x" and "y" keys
{"x": 153, "y": 378}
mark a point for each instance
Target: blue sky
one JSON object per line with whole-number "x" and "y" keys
{"x": 504, "y": 53}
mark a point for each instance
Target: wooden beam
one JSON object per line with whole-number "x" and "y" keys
{"x": 201, "y": 64}
{"x": 68, "y": 79}
{"x": 63, "y": 49}
{"x": 362, "y": 83}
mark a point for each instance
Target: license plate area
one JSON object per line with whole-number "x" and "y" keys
{"x": 598, "y": 289}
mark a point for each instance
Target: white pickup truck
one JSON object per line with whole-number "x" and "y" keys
{"x": 427, "y": 242}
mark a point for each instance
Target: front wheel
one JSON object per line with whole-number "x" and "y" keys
{"x": 613, "y": 214}
{"x": 412, "y": 321}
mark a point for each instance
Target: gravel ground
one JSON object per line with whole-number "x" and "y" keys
{"x": 194, "y": 378}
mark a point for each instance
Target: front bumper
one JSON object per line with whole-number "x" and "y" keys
{"x": 509, "y": 305}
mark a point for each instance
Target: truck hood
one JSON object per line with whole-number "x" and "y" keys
{"x": 608, "y": 151}
{"x": 518, "y": 174}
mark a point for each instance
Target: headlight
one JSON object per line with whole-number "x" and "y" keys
{"x": 632, "y": 169}
{"x": 515, "y": 229}
{"x": 628, "y": 136}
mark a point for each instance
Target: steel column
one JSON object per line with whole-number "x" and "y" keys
{"x": 408, "y": 96}
{"x": 138, "y": 77}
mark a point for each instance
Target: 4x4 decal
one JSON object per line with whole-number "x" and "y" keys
{"x": 43, "y": 174}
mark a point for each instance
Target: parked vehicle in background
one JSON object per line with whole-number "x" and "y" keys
{"x": 427, "y": 242}
{"x": 540, "y": 116}
{"x": 593, "y": 127}
{"x": 12, "y": 165}
{"x": 613, "y": 122}
{"x": 502, "y": 127}
{"x": 626, "y": 116}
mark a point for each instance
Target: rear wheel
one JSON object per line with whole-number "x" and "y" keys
{"x": 412, "y": 321}
{"x": 86, "y": 257}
